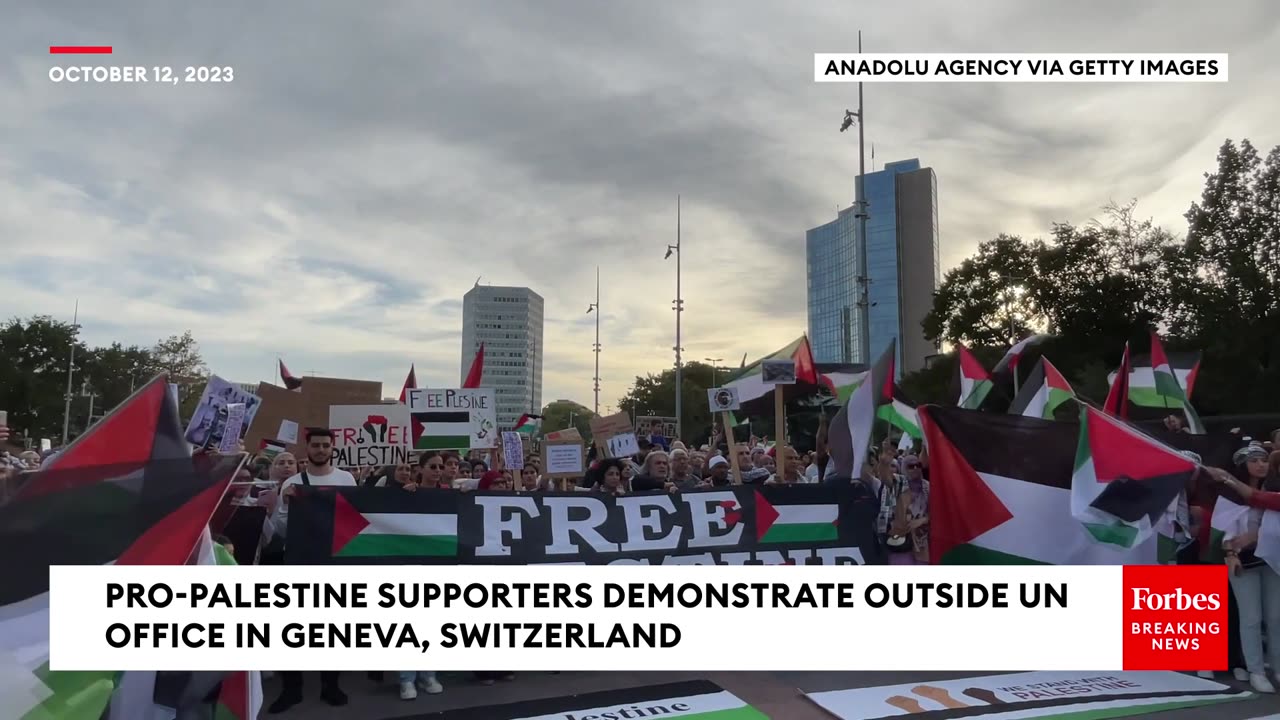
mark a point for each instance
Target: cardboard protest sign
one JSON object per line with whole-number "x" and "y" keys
{"x": 604, "y": 427}
{"x": 566, "y": 435}
{"x": 454, "y": 418}
{"x": 563, "y": 460}
{"x": 209, "y": 421}
{"x": 308, "y": 407}
{"x": 624, "y": 445}
{"x": 513, "y": 450}
{"x": 369, "y": 435}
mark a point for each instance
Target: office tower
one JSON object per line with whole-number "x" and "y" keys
{"x": 902, "y": 270}
{"x": 508, "y": 321}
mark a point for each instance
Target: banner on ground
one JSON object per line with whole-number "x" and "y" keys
{"x": 693, "y": 700}
{"x": 209, "y": 420}
{"x": 1029, "y": 695}
{"x": 454, "y": 418}
{"x": 730, "y": 526}
{"x": 369, "y": 435}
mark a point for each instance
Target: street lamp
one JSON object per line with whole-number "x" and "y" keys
{"x": 715, "y": 365}
{"x": 863, "y": 302}
{"x": 596, "y": 307}
{"x": 679, "y": 308}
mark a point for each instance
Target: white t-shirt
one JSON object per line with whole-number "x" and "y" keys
{"x": 280, "y": 518}
{"x": 811, "y": 473}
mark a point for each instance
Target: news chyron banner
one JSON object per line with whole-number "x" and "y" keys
{"x": 634, "y": 617}
{"x": 741, "y": 525}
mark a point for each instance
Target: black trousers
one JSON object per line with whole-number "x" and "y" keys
{"x": 291, "y": 682}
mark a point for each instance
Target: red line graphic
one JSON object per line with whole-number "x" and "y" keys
{"x": 79, "y": 49}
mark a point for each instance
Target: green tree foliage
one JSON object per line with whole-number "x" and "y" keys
{"x": 33, "y": 375}
{"x": 1110, "y": 281}
{"x": 656, "y": 395}
{"x": 562, "y": 414}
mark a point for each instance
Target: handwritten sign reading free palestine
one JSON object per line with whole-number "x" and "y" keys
{"x": 454, "y": 419}
{"x": 369, "y": 435}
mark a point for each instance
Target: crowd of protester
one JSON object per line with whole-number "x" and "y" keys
{"x": 897, "y": 478}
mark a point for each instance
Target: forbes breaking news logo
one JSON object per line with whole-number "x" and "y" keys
{"x": 1175, "y": 617}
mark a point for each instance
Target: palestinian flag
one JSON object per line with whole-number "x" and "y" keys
{"x": 1010, "y": 359}
{"x": 373, "y": 527}
{"x": 472, "y": 380}
{"x": 1124, "y": 481}
{"x": 1168, "y": 387}
{"x": 526, "y": 424}
{"x": 841, "y": 384}
{"x": 410, "y": 383}
{"x": 1043, "y": 392}
{"x": 1142, "y": 381}
{"x": 1117, "y": 404}
{"x": 126, "y": 492}
{"x": 795, "y": 522}
{"x": 1230, "y": 520}
{"x": 975, "y": 383}
{"x": 750, "y": 379}
{"x": 290, "y": 382}
{"x": 240, "y": 694}
{"x": 900, "y": 413}
{"x": 1000, "y": 493}
{"x": 442, "y": 429}
{"x": 692, "y": 700}
{"x": 850, "y": 432}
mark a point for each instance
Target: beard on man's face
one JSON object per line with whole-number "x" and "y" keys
{"x": 319, "y": 457}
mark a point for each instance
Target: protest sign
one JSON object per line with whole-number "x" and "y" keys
{"x": 209, "y": 421}
{"x": 624, "y": 445}
{"x": 454, "y": 418}
{"x": 513, "y": 450}
{"x": 604, "y": 427}
{"x": 307, "y": 407}
{"x": 804, "y": 524}
{"x": 723, "y": 399}
{"x": 369, "y": 435}
{"x": 278, "y": 406}
{"x": 566, "y": 435}
{"x": 288, "y": 432}
{"x": 778, "y": 372}
{"x": 651, "y": 427}
{"x": 231, "y": 432}
{"x": 562, "y": 460}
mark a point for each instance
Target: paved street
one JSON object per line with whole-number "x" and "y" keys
{"x": 778, "y": 694}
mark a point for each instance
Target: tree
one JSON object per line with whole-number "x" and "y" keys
{"x": 33, "y": 373}
{"x": 563, "y": 414}
{"x": 114, "y": 372}
{"x": 981, "y": 301}
{"x": 656, "y": 395}
{"x": 179, "y": 356}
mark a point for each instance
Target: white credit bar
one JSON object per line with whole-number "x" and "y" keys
{"x": 1020, "y": 67}
{"x": 1087, "y": 633}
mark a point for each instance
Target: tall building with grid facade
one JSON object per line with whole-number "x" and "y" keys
{"x": 508, "y": 321}
{"x": 903, "y": 270}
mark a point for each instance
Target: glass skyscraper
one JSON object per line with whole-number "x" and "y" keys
{"x": 902, "y": 269}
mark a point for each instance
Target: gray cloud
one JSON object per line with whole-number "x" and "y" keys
{"x": 335, "y": 201}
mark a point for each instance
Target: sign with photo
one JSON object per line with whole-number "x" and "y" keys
{"x": 723, "y": 399}
{"x": 209, "y": 421}
{"x": 778, "y": 372}
{"x": 369, "y": 435}
{"x": 454, "y": 418}
{"x": 651, "y": 426}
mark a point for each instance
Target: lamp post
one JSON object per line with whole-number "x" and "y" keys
{"x": 595, "y": 306}
{"x": 71, "y": 371}
{"x": 679, "y": 308}
{"x": 863, "y": 297}
{"x": 715, "y": 366}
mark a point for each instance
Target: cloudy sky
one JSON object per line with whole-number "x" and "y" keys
{"x": 369, "y": 161}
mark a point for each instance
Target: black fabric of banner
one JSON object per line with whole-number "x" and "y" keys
{"x": 715, "y": 526}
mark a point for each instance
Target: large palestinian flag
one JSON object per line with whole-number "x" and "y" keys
{"x": 749, "y": 380}
{"x": 1169, "y": 388}
{"x": 693, "y": 700}
{"x": 127, "y": 492}
{"x": 900, "y": 412}
{"x": 1000, "y": 493}
{"x": 1043, "y": 392}
{"x": 850, "y": 432}
{"x": 1124, "y": 481}
{"x": 1014, "y": 354}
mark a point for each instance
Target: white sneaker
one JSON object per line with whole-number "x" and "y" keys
{"x": 430, "y": 685}
{"x": 1241, "y": 674}
{"x": 1260, "y": 683}
{"x": 407, "y": 691}
{"x": 1206, "y": 674}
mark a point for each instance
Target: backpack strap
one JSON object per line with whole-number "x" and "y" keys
{"x": 306, "y": 480}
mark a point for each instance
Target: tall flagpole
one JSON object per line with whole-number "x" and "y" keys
{"x": 597, "y": 347}
{"x": 864, "y": 303}
{"x": 71, "y": 360}
{"x": 679, "y": 311}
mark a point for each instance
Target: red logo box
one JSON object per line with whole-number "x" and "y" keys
{"x": 1175, "y": 617}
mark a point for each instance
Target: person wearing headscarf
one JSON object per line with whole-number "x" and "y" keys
{"x": 494, "y": 481}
